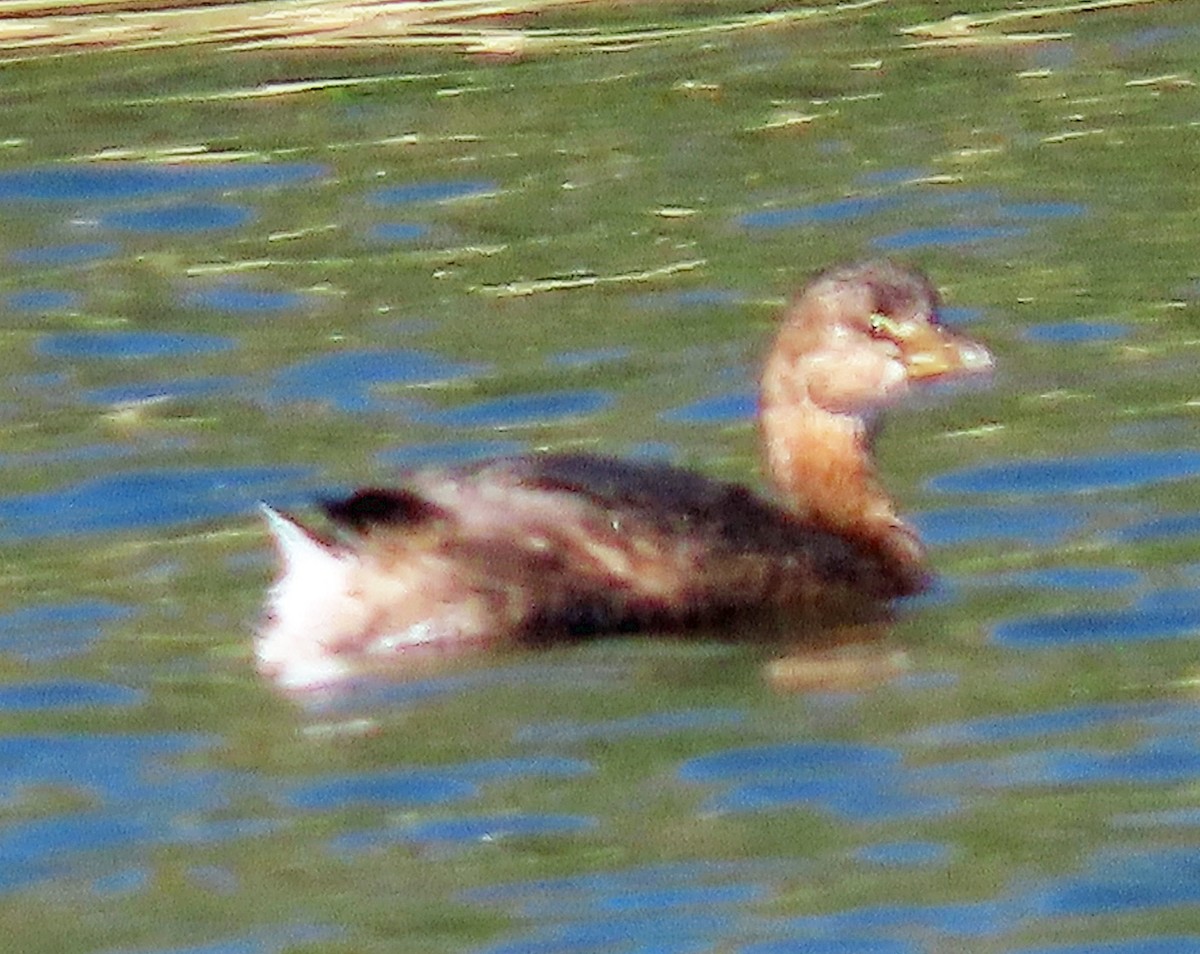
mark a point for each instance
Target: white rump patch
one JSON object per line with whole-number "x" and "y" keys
{"x": 308, "y": 606}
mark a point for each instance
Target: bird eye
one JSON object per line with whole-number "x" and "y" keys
{"x": 881, "y": 326}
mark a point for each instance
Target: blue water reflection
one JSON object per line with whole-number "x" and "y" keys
{"x": 1167, "y": 761}
{"x": 145, "y": 499}
{"x": 1043, "y": 210}
{"x": 241, "y": 299}
{"x": 905, "y": 854}
{"x": 1117, "y": 882}
{"x": 110, "y": 181}
{"x": 1164, "y": 819}
{"x": 37, "y": 850}
{"x": 348, "y": 380}
{"x": 910, "y": 240}
{"x": 854, "y": 782}
{"x": 55, "y": 631}
{"x": 842, "y": 945}
{"x": 718, "y": 409}
{"x": 1076, "y": 332}
{"x": 786, "y": 760}
{"x": 110, "y": 767}
{"x": 1163, "y": 527}
{"x": 273, "y": 940}
{"x": 959, "y": 314}
{"x": 949, "y": 526}
{"x": 444, "y": 453}
{"x": 381, "y": 788}
{"x": 72, "y": 253}
{"x": 1176, "y": 944}
{"x": 1146, "y": 38}
{"x": 687, "y": 906}
{"x": 978, "y": 216}
{"x": 1036, "y": 725}
{"x": 400, "y": 231}
{"x": 984, "y": 919}
{"x": 128, "y": 881}
{"x": 841, "y": 210}
{"x": 131, "y": 345}
{"x": 472, "y": 828}
{"x": 45, "y": 299}
{"x": 134, "y": 795}
{"x": 184, "y": 217}
{"x": 1069, "y": 578}
{"x": 1073, "y": 474}
{"x": 436, "y": 191}
{"x": 1099, "y": 626}
{"x": 62, "y": 695}
{"x": 521, "y": 409}
{"x": 168, "y": 389}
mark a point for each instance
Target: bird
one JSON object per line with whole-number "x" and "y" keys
{"x": 536, "y": 548}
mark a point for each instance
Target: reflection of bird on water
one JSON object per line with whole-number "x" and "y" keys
{"x": 529, "y": 548}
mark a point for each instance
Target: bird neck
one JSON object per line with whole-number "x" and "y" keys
{"x": 821, "y": 464}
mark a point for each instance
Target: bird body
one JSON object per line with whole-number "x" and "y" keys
{"x": 547, "y": 546}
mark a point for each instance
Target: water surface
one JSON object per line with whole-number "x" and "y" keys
{"x": 583, "y": 251}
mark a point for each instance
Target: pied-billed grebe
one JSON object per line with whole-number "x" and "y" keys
{"x": 526, "y": 548}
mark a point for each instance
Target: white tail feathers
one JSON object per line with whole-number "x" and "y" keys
{"x": 307, "y": 606}
{"x": 299, "y": 550}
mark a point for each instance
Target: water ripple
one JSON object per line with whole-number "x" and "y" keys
{"x": 1098, "y": 626}
{"x": 943, "y": 235}
{"x": 347, "y": 380}
{"x": 1141, "y": 945}
{"x": 142, "y": 499}
{"x": 400, "y": 231}
{"x": 841, "y": 210}
{"x": 465, "y": 829}
{"x": 650, "y": 725}
{"x": 182, "y": 217}
{"x": 1037, "y": 725}
{"x": 72, "y": 253}
{"x": 950, "y": 526}
{"x": 125, "y": 345}
{"x": 432, "y": 191}
{"x": 1060, "y": 475}
{"x": 63, "y": 695}
{"x": 381, "y": 788}
{"x": 521, "y": 409}
{"x": 241, "y": 299}
{"x": 42, "y": 299}
{"x": 110, "y": 181}
{"x": 865, "y": 783}
{"x": 57, "y": 630}
{"x": 717, "y": 409}
{"x": 1076, "y": 332}
{"x": 443, "y": 453}
{"x": 1117, "y": 882}
{"x": 168, "y": 389}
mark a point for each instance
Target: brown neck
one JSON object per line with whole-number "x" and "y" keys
{"x": 820, "y": 462}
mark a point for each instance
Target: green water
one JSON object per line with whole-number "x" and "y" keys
{"x": 620, "y": 175}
